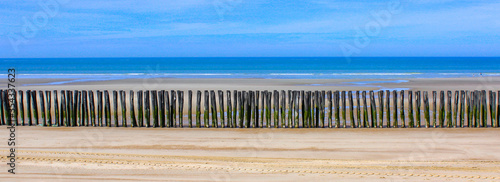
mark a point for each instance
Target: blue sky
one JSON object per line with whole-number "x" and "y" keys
{"x": 234, "y": 28}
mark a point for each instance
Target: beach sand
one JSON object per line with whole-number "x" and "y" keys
{"x": 112, "y": 154}
{"x": 174, "y": 154}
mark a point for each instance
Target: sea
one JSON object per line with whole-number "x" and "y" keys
{"x": 93, "y": 69}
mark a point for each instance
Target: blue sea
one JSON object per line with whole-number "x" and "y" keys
{"x": 85, "y": 69}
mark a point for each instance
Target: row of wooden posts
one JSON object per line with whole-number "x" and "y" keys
{"x": 251, "y": 109}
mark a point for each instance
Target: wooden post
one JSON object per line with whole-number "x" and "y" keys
{"x": 358, "y": 109}
{"x": 441, "y": 109}
{"x": 49, "y": 108}
{"x": 275, "y": 108}
{"x": 252, "y": 109}
{"x": 380, "y": 123}
{"x": 198, "y": 108}
{"x": 344, "y": 118}
{"x": 71, "y": 108}
{"x": 132, "y": 111}
{"x": 289, "y": 118}
{"x": 484, "y": 109}
{"x": 468, "y": 108}
{"x": 256, "y": 105}
{"x": 330, "y": 105}
{"x": 296, "y": 112}
{"x": 461, "y": 109}
{"x": 28, "y": 107}
{"x": 410, "y": 109}
{"x": 124, "y": 109}
{"x": 395, "y": 109}
{"x": 337, "y": 108}
{"x": 269, "y": 108}
{"x": 213, "y": 109}
{"x": 85, "y": 109}
{"x": 418, "y": 107}
{"x": 42, "y": 107}
{"x": 351, "y": 109}
{"x": 155, "y": 96}
{"x": 402, "y": 109}
{"x": 365, "y": 110}
{"x": 426, "y": 110}
{"x": 190, "y": 108}
{"x": 434, "y": 107}
{"x": 99, "y": 108}
{"x": 140, "y": 109}
{"x": 79, "y": 109}
{"x": 388, "y": 108}
{"x": 497, "y": 113}
{"x": 180, "y": 95}
{"x": 313, "y": 109}
{"x": 3, "y": 108}
{"x": 221, "y": 108}
{"x": 491, "y": 107}
{"x": 448, "y": 111}
{"x": 115, "y": 107}
{"x": 34, "y": 104}
{"x": 373, "y": 108}
{"x": 173, "y": 108}
{"x": 21, "y": 106}
{"x": 302, "y": 99}
{"x": 161, "y": 108}
{"x": 248, "y": 112}
{"x": 284, "y": 123}
{"x": 206, "y": 111}
{"x": 455, "y": 113}
{"x": 147, "y": 110}
{"x": 168, "y": 111}
{"x": 240, "y": 109}
{"x": 235, "y": 109}
{"x": 64, "y": 113}
{"x": 92, "y": 108}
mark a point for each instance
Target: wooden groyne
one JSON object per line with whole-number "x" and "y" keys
{"x": 251, "y": 109}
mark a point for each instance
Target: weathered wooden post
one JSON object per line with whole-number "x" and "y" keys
{"x": 395, "y": 109}
{"x": 92, "y": 108}
{"x": 248, "y": 112}
{"x": 411, "y": 123}
{"x": 373, "y": 108}
{"x": 42, "y": 108}
{"x": 426, "y": 110}
{"x": 296, "y": 101}
{"x": 276, "y": 107}
{"x": 330, "y": 104}
{"x": 190, "y": 108}
{"x": 213, "y": 109}
{"x": 229, "y": 109}
{"x": 28, "y": 107}
{"x": 206, "y": 107}
{"x": 173, "y": 108}
{"x": 380, "y": 123}
{"x": 302, "y": 99}
{"x": 221, "y": 108}
{"x": 483, "y": 109}
{"x": 455, "y": 113}
{"x": 99, "y": 108}
{"x": 198, "y": 108}
{"x": 284, "y": 123}
{"x": 124, "y": 109}
{"x": 168, "y": 111}
{"x": 257, "y": 109}
{"x": 441, "y": 109}
{"x": 147, "y": 110}
{"x": 434, "y": 107}
{"x": 154, "y": 102}
{"x": 418, "y": 107}
{"x": 290, "y": 106}
{"x": 140, "y": 109}
{"x": 343, "y": 98}
{"x": 85, "y": 109}
{"x": 49, "y": 108}
{"x": 240, "y": 109}
{"x": 132, "y": 111}
{"x": 388, "y": 108}
{"x": 21, "y": 106}
{"x": 497, "y": 113}
{"x": 468, "y": 108}
{"x": 337, "y": 108}
{"x": 402, "y": 109}
{"x": 269, "y": 108}
{"x": 351, "y": 109}
{"x": 73, "y": 96}
{"x": 448, "y": 110}
{"x": 3, "y": 108}
{"x": 491, "y": 108}
{"x": 462, "y": 108}
{"x": 115, "y": 107}
{"x": 252, "y": 109}
{"x": 365, "y": 110}
{"x": 180, "y": 95}
{"x": 358, "y": 109}
{"x": 34, "y": 104}
{"x": 235, "y": 109}
{"x": 161, "y": 108}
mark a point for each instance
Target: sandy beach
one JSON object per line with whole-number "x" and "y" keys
{"x": 173, "y": 154}
{"x": 146, "y": 154}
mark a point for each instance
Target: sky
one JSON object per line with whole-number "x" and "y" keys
{"x": 257, "y": 28}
